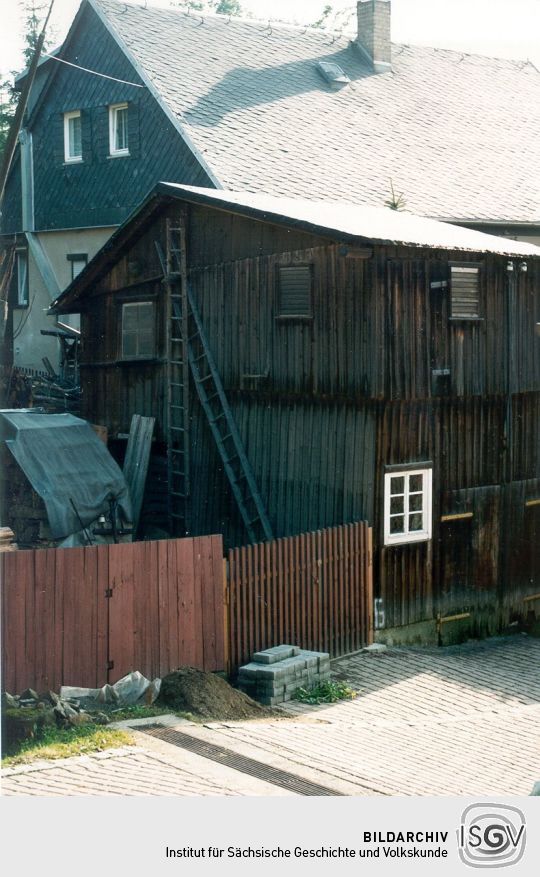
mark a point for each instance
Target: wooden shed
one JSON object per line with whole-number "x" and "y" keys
{"x": 310, "y": 364}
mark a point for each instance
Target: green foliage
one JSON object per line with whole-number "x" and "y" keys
{"x": 227, "y": 7}
{"x": 34, "y": 13}
{"x": 326, "y": 692}
{"x": 322, "y": 21}
{"x": 222, "y": 7}
{"x": 56, "y": 743}
{"x": 395, "y": 202}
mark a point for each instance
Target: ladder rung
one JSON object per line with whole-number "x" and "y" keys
{"x": 177, "y": 493}
{"x": 176, "y": 362}
{"x": 177, "y": 428}
{"x": 206, "y": 378}
{"x": 175, "y": 384}
{"x": 217, "y": 417}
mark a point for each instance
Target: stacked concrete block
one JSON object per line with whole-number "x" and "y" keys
{"x": 274, "y": 675}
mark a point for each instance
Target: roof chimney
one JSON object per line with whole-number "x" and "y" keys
{"x": 373, "y": 37}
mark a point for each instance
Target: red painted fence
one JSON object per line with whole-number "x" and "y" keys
{"x": 87, "y": 616}
{"x": 314, "y": 590}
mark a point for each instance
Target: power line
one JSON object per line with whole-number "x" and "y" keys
{"x": 94, "y": 72}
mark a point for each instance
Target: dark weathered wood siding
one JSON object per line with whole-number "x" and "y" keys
{"x": 324, "y": 404}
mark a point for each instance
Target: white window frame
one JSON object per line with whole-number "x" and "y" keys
{"x": 427, "y": 487}
{"x": 113, "y": 122}
{"x": 69, "y": 157}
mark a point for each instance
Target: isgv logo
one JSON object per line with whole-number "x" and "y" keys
{"x": 491, "y": 835}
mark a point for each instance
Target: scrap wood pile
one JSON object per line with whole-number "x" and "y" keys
{"x": 26, "y": 388}
{"x": 54, "y": 393}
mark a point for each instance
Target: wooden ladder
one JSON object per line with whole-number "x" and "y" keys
{"x": 178, "y": 401}
{"x": 223, "y": 427}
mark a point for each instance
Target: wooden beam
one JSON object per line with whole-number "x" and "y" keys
{"x": 531, "y": 502}
{"x": 459, "y": 516}
{"x": 136, "y": 462}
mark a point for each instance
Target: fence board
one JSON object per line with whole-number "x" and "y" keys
{"x": 313, "y": 590}
{"x": 59, "y": 627}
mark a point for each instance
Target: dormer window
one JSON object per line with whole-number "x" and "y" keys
{"x": 118, "y": 129}
{"x": 73, "y": 136}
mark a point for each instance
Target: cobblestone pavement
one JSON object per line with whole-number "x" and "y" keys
{"x": 456, "y": 721}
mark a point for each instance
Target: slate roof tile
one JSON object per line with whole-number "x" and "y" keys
{"x": 458, "y": 134}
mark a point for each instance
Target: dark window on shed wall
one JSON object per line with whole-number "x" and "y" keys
{"x": 295, "y": 291}
{"x": 138, "y": 330}
{"x": 465, "y": 291}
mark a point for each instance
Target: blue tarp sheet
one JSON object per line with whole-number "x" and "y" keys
{"x": 65, "y": 461}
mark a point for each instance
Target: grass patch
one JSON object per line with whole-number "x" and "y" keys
{"x": 139, "y": 711}
{"x": 325, "y": 692}
{"x": 55, "y": 743}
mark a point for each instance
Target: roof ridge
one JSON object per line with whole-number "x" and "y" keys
{"x": 232, "y": 19}
{"x": 302, "y": 29}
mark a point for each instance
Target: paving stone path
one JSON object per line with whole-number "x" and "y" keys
{"x": 454, "y": 721}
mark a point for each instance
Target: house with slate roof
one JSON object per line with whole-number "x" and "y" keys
{"x": 136, "y": 95}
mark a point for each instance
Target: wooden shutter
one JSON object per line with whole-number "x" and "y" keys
{"x": 295, "y": 291}
{"x": 465, "y": 291}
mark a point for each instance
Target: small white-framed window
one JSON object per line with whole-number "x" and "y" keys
{"x": 138, "y": 335}
{"x": 407, "y": 505}
{"x": 118, "y": 129}
{"x": 22, "y": 279}
{"x": 73, "y": 136}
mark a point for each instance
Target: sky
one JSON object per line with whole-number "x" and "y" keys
{"x": 504, "y": 28}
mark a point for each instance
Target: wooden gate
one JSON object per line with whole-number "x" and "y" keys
{"x": 87, "y": 616}
{"x": 314, "y": 590}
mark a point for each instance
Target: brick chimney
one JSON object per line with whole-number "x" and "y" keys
{"x": 373, "y": 38}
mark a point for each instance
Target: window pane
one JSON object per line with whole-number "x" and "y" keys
{"x": 77, "y": 265}
{"x": 415, "y": 483}
{"x": 22, "y": 279}
{"x": 75, "y": 140}
{"x": 130, "y": 318}
{"x": 145, "y": 312}
{"x": 415, "y": 522}
{"x": 415, "y": 502}
{"x": 396, "y": 505}
{"x": 397, "y": 524}
{"x": 146, "y": 343}
{"x": 129, "y": 344}
{"x": 121, "y": 141}
{"x": 397, "y": 485}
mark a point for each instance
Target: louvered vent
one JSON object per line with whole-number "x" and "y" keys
{"x": 465, "y": 291}
{"x": 295, "y": 291}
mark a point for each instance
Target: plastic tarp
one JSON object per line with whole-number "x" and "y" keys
{"x": 65, "y": 462}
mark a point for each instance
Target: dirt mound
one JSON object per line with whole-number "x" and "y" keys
{"x": 207, "y": 696}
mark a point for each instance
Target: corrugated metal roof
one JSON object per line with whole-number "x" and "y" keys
{"x": 380, "y": 225}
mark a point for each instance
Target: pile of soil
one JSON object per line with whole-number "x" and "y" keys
{"x": 208, "y": 696}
